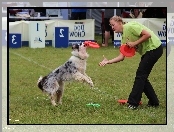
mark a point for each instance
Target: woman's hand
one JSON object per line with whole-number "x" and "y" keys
{"x": 131, "y": 44}
{"x": 145, "y": 35}
{"x": 104, "y": 61}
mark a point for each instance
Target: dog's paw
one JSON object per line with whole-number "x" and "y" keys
{"x": 60, "y": 103}
{"x": 91, "y": 84}
{"x": 53, "y": 103}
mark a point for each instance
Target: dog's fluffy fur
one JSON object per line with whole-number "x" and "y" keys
{"x": 73, "y": 69}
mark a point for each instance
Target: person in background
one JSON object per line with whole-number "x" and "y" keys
{"x": 108, "y": 30}
{"x": 78, "y": 14}
{"x": 135, "y": 13}
{"x": 31, "y": 12}
{"x": 125, "y": 13}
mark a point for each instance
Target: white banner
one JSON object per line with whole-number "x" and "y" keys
{"x": 79, "y": 30}
{"x": 49, "y": 31}
{"x": 15, "y": 27}
{"x": 49, "y": 28}
{"x": 25, "y": 31}
{"x": 14, "y": 36}
{"x": 37, "y": 34}
{"x": 158, "y": 26}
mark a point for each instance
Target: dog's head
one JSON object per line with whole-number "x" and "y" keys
{"x": 79, "y": 46}
{"x": 79, "y": 50}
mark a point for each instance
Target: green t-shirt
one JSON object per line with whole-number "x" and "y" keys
{"x": 132, "y": 32}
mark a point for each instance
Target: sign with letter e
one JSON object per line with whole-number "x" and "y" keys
{"x": 37, "y": 34}
{"x": 61, "y": 37}
{"x": 15, "y": 40}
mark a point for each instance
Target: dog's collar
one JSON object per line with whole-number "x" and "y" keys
{"x": 79, "y": 57}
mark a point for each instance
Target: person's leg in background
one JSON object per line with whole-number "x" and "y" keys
{"x": 112, "y": 34}
{"x": 107, "y": 31}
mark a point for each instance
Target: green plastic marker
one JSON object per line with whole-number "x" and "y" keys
{"x": 91, "y": 104}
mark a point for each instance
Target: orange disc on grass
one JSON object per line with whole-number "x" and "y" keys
{"x": 123, "y": 101}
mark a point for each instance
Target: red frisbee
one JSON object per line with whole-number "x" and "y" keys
{"x": 127, "y": 51}
{"x": 122, "y": 101}
{"x": 92, "y": 44}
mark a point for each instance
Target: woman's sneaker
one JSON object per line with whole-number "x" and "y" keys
{"x": 152, "y": 104}
{"x": 132, "y": 107}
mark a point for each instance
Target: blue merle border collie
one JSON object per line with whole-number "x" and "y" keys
{"x": 73, "y": 69}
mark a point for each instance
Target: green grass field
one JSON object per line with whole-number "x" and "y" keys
{"x": 29, "y": 105}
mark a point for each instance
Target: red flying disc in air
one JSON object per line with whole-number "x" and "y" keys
{"x": 92, "y": 44}
{"x": 122, "y": 101}
{"x": 127, "y": 51}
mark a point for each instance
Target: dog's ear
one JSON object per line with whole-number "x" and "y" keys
{"x": 75, "y": 46}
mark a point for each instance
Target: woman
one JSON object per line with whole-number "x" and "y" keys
{"x": 149, "y": 46}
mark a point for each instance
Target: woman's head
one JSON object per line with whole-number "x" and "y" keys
{"x": 136, "y": 12}
{"x": 116, "y": 23}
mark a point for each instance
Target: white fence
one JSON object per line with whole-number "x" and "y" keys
{"x": 79, "y": 30}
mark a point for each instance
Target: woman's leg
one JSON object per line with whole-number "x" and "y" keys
{"x": 151, "y": 95}
{"x": 145, "y": 66}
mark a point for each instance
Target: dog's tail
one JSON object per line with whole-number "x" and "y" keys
{"x": 39, "y": 83}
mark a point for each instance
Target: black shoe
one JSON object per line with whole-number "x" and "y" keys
{"x": 132, "y": 107}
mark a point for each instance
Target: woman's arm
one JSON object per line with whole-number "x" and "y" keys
{"x": 115, "y": 60}
{"x": 145, "y": 35}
